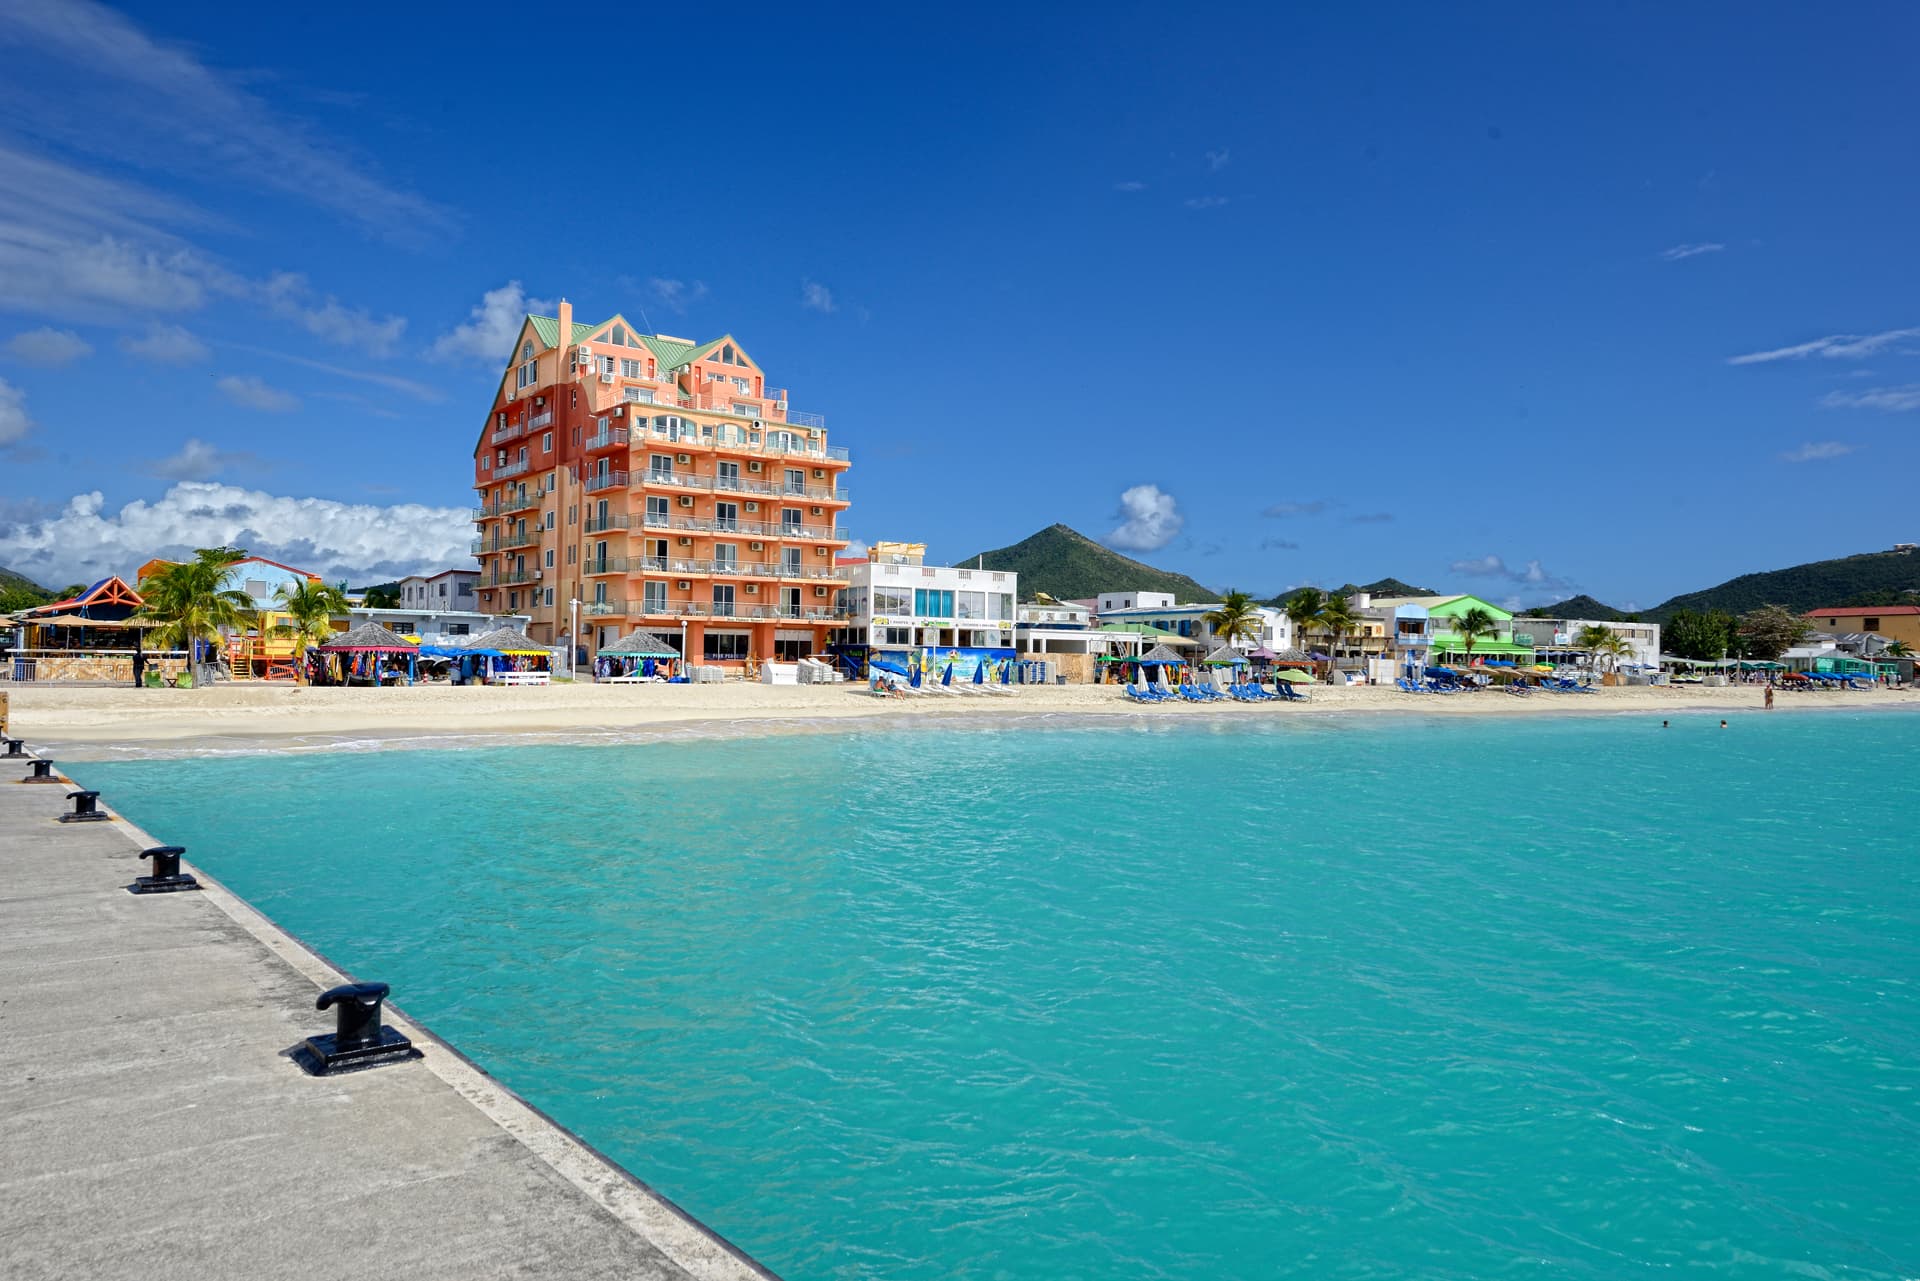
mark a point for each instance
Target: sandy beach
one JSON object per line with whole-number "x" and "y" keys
{"x": 96, "y": 721}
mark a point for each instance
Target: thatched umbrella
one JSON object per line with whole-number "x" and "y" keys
{"x": 641, "y": 645}
{"x": 1225, "y": 656}
{"x": 371, "y": 639}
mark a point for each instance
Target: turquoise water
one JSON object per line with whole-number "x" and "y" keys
{"x": 1375, "y": 998}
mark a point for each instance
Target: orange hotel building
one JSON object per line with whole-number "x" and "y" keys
{"x": 666, "y": 487}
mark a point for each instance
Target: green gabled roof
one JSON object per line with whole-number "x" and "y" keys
{"x": 672, "y": 355}
{"x": 547, "y": 329}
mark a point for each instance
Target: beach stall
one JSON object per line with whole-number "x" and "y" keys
{"x": 508, "y": 656}
{"x": 92, "y": 638}
{"x": 367, "y": 655}
{"x": 639, "y": 657}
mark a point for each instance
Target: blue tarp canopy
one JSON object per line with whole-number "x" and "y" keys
{"x": 886, "y": 665}
{"x": 446, "y": 651}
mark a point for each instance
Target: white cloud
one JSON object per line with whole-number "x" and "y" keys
{"x": 14, "y": 422}
{"x": 1681, "y": 252}
{"x": 336, "y": 540}
{"x": 1892, "y": 399}
{"x": 817, "y": 296}
{"x": 1371, "y": 518}
{"x": 491, "y": 326}
{"x": 138, "y": 101}
{"x": 1150, "y": 519}
{"x": 1818, "y": 451}
{"x": 392, "y": 382}
{"x": 48, "y": 347}
{"x": 1205, "y": 202}
{"x": 676, "y": 295}
{"x": 250, "y": 392}
{"x": 1532, "y": 574}
{"x": 166, "y": 345}
{"x": 1833, "y": 347}
{"x": 1217, "y": 160}
{"x": 1309, "y": 507}
{"x": 287, "y": 295}
{"x": 1129, "y": 186}
{"x": 198, "y": 460}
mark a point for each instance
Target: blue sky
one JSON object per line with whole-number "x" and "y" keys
{"x": 1513, "y": 299}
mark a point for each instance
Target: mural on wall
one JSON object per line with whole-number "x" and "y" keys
{"x": 934, "y": 662}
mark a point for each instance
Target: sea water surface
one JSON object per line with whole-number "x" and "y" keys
{"x": 1379, "y": 997}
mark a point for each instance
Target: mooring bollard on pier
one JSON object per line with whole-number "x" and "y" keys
{"x": 16, "y": 749}
{"x": 42, "y": 773}
{"x": 359, "y": 1038}
{"x": 84, "y": 809}
{"x": 167, "y": 878}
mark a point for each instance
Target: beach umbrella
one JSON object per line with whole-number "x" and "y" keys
{"x": 1006, "y": 672}
{"x": 884, "y": 665}
{"x": 1293, "y": 675}
{"x": 946, "y": 677}
{"x": 917, "y": 671}
{"x": 980, "y": 672}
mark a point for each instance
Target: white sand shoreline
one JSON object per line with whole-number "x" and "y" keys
{"x": 81, "y": 723}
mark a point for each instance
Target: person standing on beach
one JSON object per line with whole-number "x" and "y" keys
{"x": 1769, "y": 695}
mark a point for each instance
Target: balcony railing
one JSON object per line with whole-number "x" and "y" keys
{"x": 539, "y": 420}
{"x": 612, "y": 520}
{"x": 747, "y": 528}
{"x": 799, "y": 419}
{"x": 598, "y": 565}
{"x": 507, "y": 578}
{"x": 506, "y": 507}
{"x": 483, "y": 546}
{"x": 601, "y": 608}
{"x": 742, "y": 485}
{"x": 501, "y": 435}
{"x": 737, "y": 611}
{"x": 597, "y": 481}
{"x": 798, "y": 449}
{"x": 611, "y": 438}
{"x": 505, "y": 470}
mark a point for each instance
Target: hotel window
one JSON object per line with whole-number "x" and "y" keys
{"x": 660, "y": 466}
{"x": 790, "y": 559}
{"x": 896, "y": 635}
{"x": 726, "y": 515}
{"x": 546, "y": 443}
{"x": 486, "y": 462}
{"x": 789, "y": 520}
{"x": 796, "y": 480}
{"x": 529, "y": 373}
{"x": 723, "y": 598}
{"x": 607, "y": 365}
{"x": 726, "y": 645}
{"x": 629, "y": 369}
{"x": 656, "y": 511}
{"x": 549, "y": 597}
{"x": 464, "y": 590}
{"x": 891, "y": 600}
{"x": 726, "y": 476}
{"x": 1869, "y": 625}
{"x": 654, "y": 597}
{"x": 549, "y": 558}
{"x": 932, "y": 604}
{"x": 973, "y": 604}
{"x": 513, "y": 600}
{"x": 745, "y": 411}
{"x": 726, "y": 558}
{"x": 741, "y": 384}
{"x": 638, "y": 395}
{"x": 523, "y": 455}
{"x": 550, "y": 519}
{"x": 1003, "y": 605}
{"x": 526, "y": 351}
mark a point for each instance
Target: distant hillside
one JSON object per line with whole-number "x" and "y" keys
{"x": 1067, "y": 565}
{"x": 1871, "y": 578}
{"x": 1578, "y": 607}
{"x": 17, "y": 591}
{"x": 1379, "y": 587}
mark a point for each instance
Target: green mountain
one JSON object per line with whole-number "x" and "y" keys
{"x": 17, "y": 591}
{"x": 1067, "y": 565}
{"x": 1379, "y": 587}
{"x": 1873, "y": 578}
{"x": 1582, "y": 606}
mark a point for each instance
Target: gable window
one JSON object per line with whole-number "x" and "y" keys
{"x": 526, "y": 351}
{"x": 629, "y": 368}
{"x": 529, "y": 374}
{"x": 546, "y": 443}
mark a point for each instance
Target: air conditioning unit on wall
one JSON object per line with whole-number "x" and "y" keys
{"x": 756, "y": 547}
{"x": 819, "y": 473}
{"x": 686, "y": 500}
{"x": 753, "y": 507}
{"x": 683, "y": 459}
{"x": 819, "y": 591}
{"x": 686, "y": 542}
{"x": 753, "y": 465}
{"x": 684, "y": 585}
{"x": 753, "y": 589}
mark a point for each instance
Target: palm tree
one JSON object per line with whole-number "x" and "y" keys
{"x": 1603, "y": 643}
{"x": 189, "y": 602}
{"x": 1898, "y": 649}
{"x": 1304, "y": 609}
{"x": 1338, "y": 618}
{"x": 1237, "y": 619}
{"x": 310, "y": 609}
{"x": 1471, "y": 625}
{"x": 386, "y": 597}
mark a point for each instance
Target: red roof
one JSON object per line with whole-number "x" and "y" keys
{"x": 1878, "y": 611}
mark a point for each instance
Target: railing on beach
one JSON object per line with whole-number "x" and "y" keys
{"x": 86, "y": 666}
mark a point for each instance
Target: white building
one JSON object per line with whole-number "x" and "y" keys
{"x": 1553, "y": 639}
{"x": 1275, "y": 629}
{"x": 432, "y": 625}
{"x": 450, "y": 589}
{"x": 896, "y": 602}
{"x": 1106, "y": 602}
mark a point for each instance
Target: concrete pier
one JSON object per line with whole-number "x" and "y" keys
{"x": 153, "y": 1126}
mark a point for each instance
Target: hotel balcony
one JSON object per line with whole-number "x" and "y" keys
{"x": 612, "y": 520}
{"x": 596, "y": 566}
{"x": 684, "y": 565}
{"x": 483, "y": 546}
{"x": 508, "y": 577}
{"x": 602, "y": 608}
{"x": 741, "y": 485}
{"x": 517, "y": 468}
{"x": 506, "y": 506}
{"x": 748, "y": 528}
{"x": 794, "y": 449}
{"x": 611, "y": 438}
{"x": 597, "y": 481}
{"x": 501, "y": 435}
{"x": 735, "y": 612}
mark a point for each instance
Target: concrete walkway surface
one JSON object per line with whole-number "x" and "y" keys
{"x": 152, "y": 1125}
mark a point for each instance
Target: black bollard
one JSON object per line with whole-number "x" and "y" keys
{"x": 84, "y": 810}
{"x": 16, "y": 749}
{"x": 167, "y": 877}
{"x": 359, "y": 1039}
{"x": 42, "y": 773}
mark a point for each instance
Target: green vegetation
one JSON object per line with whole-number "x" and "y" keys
{"x": 381, "y": 596}
{"x": 1235, "y": 620}
{"x": 1067, "y": 565}
{"x": 311, "y": 607}
{"x": 189, "y": 602}
{"x": 1851, "y": 579}
{"x": 1702, "y": 635}
{"x": 17, "y": 592}
{"x": 1603, "y": 645}
{"x": 1337, "y": 619}
{"x": 1471, "y": 625}
{"x": 1770, "y": 631}
{"x": 1379, "y": 587}
{"x": 1305, "y": 606}
{"x": 1578, "y": 607}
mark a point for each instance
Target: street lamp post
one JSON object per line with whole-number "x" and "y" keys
{"x": 573, "y": 637}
